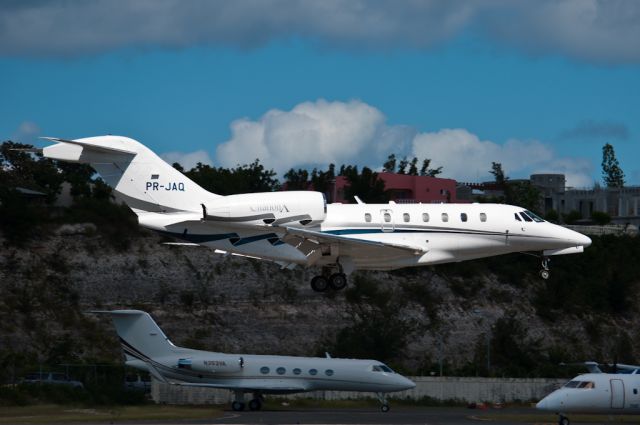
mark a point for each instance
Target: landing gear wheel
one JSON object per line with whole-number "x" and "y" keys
{"x": 237, "y": 406}
{"x": 319, "y": 283}
{"x": 385, "y": 408}
{"x": 338, "y": 281}
{"x": 255, "y": 404}
{"x": 563, "y": 420}
{"x": 544, "y": 274}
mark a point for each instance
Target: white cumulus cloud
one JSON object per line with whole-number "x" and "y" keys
{"x": 312, "y": 133}
{"x": 465, "y": 157}
{"x": 27, "y": 133}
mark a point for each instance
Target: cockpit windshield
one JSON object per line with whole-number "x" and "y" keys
{"x": 382, "y": 368}
{"x": 528, "y": 216}
{"x": 580, "y": 384}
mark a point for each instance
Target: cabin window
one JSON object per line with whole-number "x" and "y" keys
{"x": 425, "y": 217}
{"x": 387, "y": 217}
{"x": 280, "y": 371}
{"x": 328, "y": 372}
{"x": 572, "y": 384}
{"x": 483, "y": 217}
{"x": 534, "y": 217}
{"x": 367, "y": 217}
{"x": 313, "y": 372}
{"x": 445, "y": 217}
{"x": 297, "y": 371}
{"x": 586, "y": 385}
{"x": 517, "y": 216}
{"x": 376, "y": 368}
{"x": 264, "y": 370}
{"x": 406, "y": 217}
{"x": 463, "y": 216}
{"x": 635, "y": 391}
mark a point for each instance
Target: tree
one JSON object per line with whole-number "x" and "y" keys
{"x": 612, "y": 174}
{"x": 297, "y": 179}
{"x": 413, "y": 167}
{"x": 402, "y": 168}
{"x": 498, "y": 173}
{"x": 366, "y": 185}
{"x": 426, "y": 171}
{"x": 246, "y": 178}
{"x": 390, "y": 165}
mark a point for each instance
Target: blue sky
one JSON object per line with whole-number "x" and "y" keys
{"x": 300, "y": 98}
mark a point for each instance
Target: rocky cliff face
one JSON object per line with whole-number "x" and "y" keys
{"x": 205, "y": 300}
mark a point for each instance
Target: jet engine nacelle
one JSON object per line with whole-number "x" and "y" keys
{"x": 213, "y": 363}
{"x": 275, "y": 208}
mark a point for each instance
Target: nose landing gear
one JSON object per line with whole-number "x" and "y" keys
{"x": 545, "y": 273}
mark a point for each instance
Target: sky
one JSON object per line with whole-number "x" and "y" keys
{"x": 539, "y": 86}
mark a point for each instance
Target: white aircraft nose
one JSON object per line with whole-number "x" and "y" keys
{"x": 542, "y": 404}
{"x": 584, "y": 240}
{"x": 403, "y": 383}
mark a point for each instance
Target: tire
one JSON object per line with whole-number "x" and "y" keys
{"x": 564, "y": 421}
{"x": 255, "y": 404}
{"x": 338, "y": 281}
{"x": 237, "y": 406}
{"x": 544, "y": 274}
{"x": 319, "y": 284}
{"x": 385, "y": 408}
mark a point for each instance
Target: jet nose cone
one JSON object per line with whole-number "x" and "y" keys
{"x": 584, "y": 240}
{"x": 542, "y": 404}
{"x": 405, "y": 384}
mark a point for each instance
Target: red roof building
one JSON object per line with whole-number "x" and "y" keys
{"x": 406, "y": 188}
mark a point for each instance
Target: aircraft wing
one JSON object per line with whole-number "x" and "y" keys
{"x": 305, "y": 240}
{"x": 256, "y": 386}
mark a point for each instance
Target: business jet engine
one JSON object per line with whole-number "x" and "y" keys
{"x": 271, "y": 208}
{"x": 214, "y": 363}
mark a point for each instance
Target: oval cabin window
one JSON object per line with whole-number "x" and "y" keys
{"x": 367, "y": 218}
{"x": 387, "y": 217}
{"x": 425, "y": 217}
{"x": 445, "y": 217}
{"x": 483, "y": 217}
{"x": 406, "y": 217}
{"x": 463, "y": 216}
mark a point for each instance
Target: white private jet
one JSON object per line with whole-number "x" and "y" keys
{"x": 597, "y": 393}
{"x": 146, "y": 347}
{"x": 299, "y": 228}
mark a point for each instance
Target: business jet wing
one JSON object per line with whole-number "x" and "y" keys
{"x": 305, "y": 240}
{"x": 283, "y": 387}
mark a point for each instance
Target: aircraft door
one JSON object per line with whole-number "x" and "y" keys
{"x": 386, "y": 220}
{"x": 617, "y": 394}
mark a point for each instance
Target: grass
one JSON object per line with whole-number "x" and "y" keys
{"x": 50, "y": 413}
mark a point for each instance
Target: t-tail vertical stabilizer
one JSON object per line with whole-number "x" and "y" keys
{"x": 141, "y": 178}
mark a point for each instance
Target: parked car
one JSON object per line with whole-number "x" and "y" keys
{"x": 51, "y": 378}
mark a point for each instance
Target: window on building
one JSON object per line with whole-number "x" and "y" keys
{"x": 425, "y": 217}
{"x": 406, "y": 217}
{"x": 367, "y": 217}
{"x": 483, "y": 217}
{"x": 313, "y": 372}
{"x": 280, "y": 371}
{"x": 463, "y": 216}
{"x": 445, "y": 217}
{"x": 264, "y": 370}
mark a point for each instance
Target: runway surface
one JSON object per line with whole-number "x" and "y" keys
{"x": 398, "y": 415}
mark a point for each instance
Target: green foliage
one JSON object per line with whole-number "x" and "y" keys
{"x": 552, "y": 216}
{"x": 571, "y": 217}
{"x": 523, "y": 194}
{"x": 390, "y": 164}
{"x": 498, "y": 173}
{"x": 612, "y": 174}
{"x": 600, "y": 218}
{"x": 228, "y": 181}
{"x": 365, "y": 185}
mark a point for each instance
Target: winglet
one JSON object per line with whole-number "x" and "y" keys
{"x": 358, "y": 200}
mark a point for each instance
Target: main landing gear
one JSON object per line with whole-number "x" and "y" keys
{"x": 563, "y": 420}
{"x": 326, "y": 281}
{"x": 385, "y": 406}
{"x": 544, "y": 273}
{"x": 238, "y": 404}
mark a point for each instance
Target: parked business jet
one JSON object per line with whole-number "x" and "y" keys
{"x": 604, "y": 393}
{"x": 146, "y": 347}
{"x": 299, "y": 228}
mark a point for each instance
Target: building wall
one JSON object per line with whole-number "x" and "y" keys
{"x": 491, "y": 390}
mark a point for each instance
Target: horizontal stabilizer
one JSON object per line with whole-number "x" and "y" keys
{"x": 91, "y": 146}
